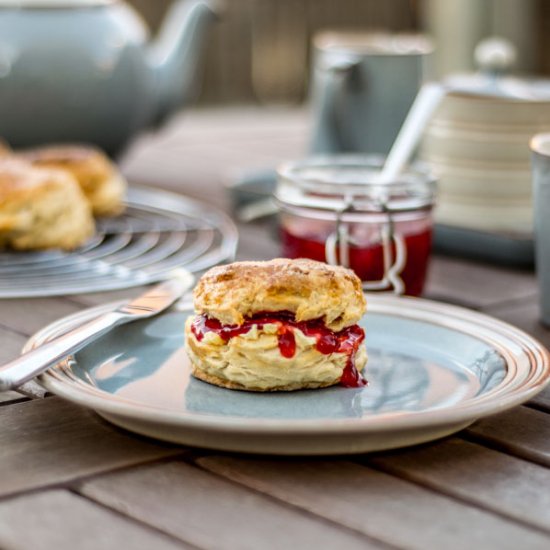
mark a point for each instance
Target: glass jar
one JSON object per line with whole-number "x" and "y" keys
{"x": 333, "y": 209}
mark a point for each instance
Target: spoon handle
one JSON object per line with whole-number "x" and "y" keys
{"x": 426, "y": 102}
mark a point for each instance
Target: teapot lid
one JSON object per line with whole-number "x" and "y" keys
{"x": 45, "y": 4}
{"x": 495, "y": 57}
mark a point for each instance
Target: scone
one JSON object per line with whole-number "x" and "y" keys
{"x": 5, "y": 150}
{"x": 41, "y": 208}
{"x": 277, "y": 326}
{"x": 100, "y": 180}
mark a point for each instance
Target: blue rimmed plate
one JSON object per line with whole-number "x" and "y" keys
{"x": 433, "y": 369}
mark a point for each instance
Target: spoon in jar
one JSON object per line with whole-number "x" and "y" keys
{"x": 426, "y": 102}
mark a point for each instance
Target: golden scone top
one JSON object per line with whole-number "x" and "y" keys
{"x": 98, "y": 177}
{"x": 5, "y": 150}
{"x": 41, "y": 208}
{"x": 19, "y": 180}
{"x": 85, "y": 162}
{"x": 309, "y": 289}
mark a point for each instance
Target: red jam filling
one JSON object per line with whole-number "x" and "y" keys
{"x": 368, "y": 261}
{"x": 327, "y": 341}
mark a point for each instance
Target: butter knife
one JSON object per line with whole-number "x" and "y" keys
{"x": 36, "y": 361}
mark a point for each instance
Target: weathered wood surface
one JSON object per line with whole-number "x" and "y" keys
{"x": 478, "y": 286}
{"x": 60, "y": 519}
{"x": 522, "y": 431}
{"x": 210, "y": 512}
{"x": 26, "y": 316}
{"x": 376, "y": 503}
{"x": 70, "y": 480}
{"x": 50, "y": 442}
{"x": 477, "y": 475}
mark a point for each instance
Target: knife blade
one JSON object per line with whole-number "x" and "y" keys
{"x": 38, "y": 360}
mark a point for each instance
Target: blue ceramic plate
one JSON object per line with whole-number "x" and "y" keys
{"x": 433, "y": 369}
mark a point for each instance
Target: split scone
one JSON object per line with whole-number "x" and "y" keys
{"x": 277, "y": 325}
{"x": 41, "y": 208}
{"x": 98, "y": 177}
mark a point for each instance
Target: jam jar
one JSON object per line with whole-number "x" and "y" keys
{"x": 333, "y": 209}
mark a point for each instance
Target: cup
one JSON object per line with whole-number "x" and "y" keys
{"x": 540, "y": 163}
{"x": 363, "y": 87}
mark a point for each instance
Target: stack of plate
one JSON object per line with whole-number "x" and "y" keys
{"x": 478, "y": 145}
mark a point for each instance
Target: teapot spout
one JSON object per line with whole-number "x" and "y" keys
{"x": 176, "y": 53}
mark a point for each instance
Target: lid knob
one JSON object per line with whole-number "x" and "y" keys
{"x": 495, "y": 55}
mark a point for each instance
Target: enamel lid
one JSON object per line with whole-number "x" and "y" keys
{"x": 495, "y": 58}
{"x": 52, "y": 3}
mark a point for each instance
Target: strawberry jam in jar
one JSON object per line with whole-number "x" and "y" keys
{"x": 333, "y": 209}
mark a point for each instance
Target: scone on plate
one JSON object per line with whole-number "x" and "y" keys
{"x": 277, "y": 326}
{"x": 98, "y": 177}
{"x": 41, "y": 208}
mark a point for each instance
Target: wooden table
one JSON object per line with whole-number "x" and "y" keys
{"x": 70, "y": 480}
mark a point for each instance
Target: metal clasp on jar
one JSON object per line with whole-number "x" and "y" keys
{"x": 338, "y": 242}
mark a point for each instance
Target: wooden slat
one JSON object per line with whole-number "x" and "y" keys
{"x": 257, "y": 243}
{"x": 377, "y": 504}
{"x": 10, "y": 396}
{"x": 10, "y": 347}
{"x": 59, "y": 519}
{"x": 210, "y": 512}
{"x": 29, "y": 315}
{"x": 12, "y": 342}
{"x": 522, "y": 431}
{"x": 477, "y": 285}
{"x": 51, "y": 441}
{"x": 199, "y": 179}
{"x": 480, "y": 476}
{"x": 524, "y": 314}
{"x": 217, "y": 132}
{"x": 542, "y": 400}
{"x": 218, "y": 125}
{"x": 201, "y": 151}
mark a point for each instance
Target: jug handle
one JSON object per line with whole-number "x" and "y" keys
{"x": 337, "y": 71}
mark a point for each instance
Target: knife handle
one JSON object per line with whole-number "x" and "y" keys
{"x": 38, "y": 360}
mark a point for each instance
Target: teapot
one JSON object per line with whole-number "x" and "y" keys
{"x": 85, "y": 70}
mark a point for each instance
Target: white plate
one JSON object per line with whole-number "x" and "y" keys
{"x": 433, "y": 369}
